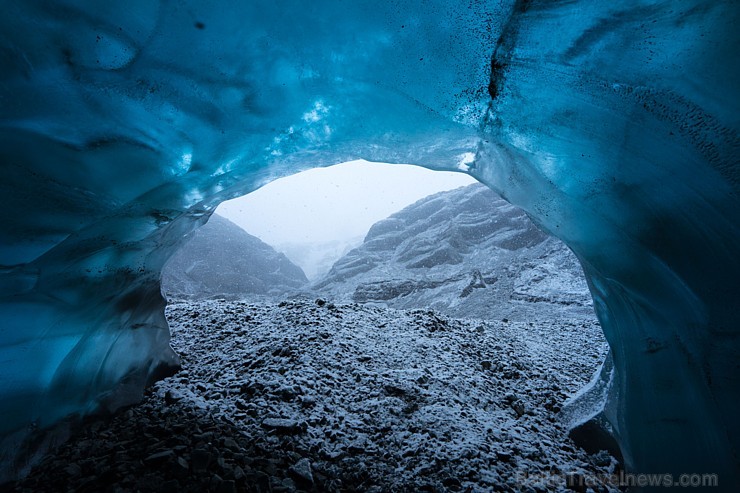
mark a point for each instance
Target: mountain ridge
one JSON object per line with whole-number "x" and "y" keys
{"x": 222, "y": 260}
{"x": 465, "y": 252}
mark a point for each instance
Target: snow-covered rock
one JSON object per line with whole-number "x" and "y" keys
{"x": 223, "y": 260}
{"x": 467, "y": 253}
{"x": 312, "y": 396}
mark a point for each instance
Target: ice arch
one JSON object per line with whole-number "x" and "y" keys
{"x": 614, "y": 124}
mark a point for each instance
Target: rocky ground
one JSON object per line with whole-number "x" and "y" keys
{"x": 308, "y": 395}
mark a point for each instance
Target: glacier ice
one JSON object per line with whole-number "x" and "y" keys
{"x": 613, "y": 124}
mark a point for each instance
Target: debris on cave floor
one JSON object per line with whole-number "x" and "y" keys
{"x": 310, "y": 396}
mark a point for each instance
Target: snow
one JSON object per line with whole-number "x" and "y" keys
{"x": 409, "y": 396}
{"x": 464, "y": 252}
{"x": 347, "y": 397}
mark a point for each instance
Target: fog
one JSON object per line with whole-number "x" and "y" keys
{"x": 322, "y": 212}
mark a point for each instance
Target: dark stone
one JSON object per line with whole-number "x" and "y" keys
{"x": 394, "y": 391}
{"x": 200, "y": 459}
{"x": 171, "y": 486}
{"x": 231, "y": 444}
{"x": 452, "y": 483}
{"x": 171, "y": 397}
{"x": 518, "y": 407}
{"x": 302, "y": 472}
{"x": 180, "y": 467}
{"x": 226, "y": 487}
{"x": 504, "y": 456}
{"x": 215, "y": 483}
{"x": 595, "y": 435}
{"x": 73, "y": 470}
{"x": 238, "y": 473}
{"x": 286, "y": 394}
{"x": 261, "y": 480}
{"x": 576, "y": 482}
{"x": 159, "y": 457}
{"x": 282, "y": 425}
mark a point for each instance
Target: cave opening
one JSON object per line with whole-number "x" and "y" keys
{"x": 342, "y": 382}
{"x": 462, "y": 323}
{"x": 613, "y": 124}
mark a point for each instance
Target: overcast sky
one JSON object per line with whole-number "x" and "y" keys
{"x": 339, "y": 202}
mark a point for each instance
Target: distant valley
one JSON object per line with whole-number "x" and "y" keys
{"x": 466, "y": 253}
{"x": 221, "y": 260}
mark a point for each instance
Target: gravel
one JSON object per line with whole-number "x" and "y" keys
{"x": 306, "y": 395}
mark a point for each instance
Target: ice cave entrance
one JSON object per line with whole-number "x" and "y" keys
{"x": 613, "y": 124}
{"x": 401, "y": 236}
{"x": 423, "y": 291}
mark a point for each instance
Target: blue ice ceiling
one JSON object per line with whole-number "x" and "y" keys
{"x": 614, "y": 124}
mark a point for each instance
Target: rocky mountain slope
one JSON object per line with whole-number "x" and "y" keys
{"x": 223, "y": 260}
{"x": 467, "y": 253}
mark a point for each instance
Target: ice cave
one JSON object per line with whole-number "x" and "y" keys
{"x": 613, "y": 124}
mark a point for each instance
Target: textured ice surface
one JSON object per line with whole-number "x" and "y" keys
{"x": 614, "y": 124}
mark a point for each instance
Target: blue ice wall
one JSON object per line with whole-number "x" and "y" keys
{"x": 614, "y": 124}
